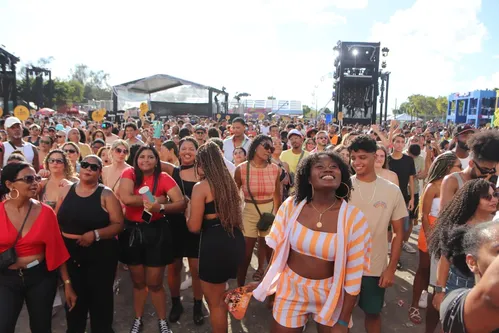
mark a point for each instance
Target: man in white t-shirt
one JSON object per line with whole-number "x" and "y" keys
{"x": 382, "y": 203}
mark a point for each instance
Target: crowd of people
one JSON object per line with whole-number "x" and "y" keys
{"x": 327, "y": 209}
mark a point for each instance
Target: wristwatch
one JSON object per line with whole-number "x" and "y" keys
{"x": 97, "y": 236}
{"x": 162, "y": 209}
{"x": 439, "y": 289}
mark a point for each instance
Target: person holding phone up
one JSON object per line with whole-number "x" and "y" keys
{"x": 146, "y": 245}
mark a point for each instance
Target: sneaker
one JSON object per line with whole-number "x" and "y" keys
{"x": 137, "y": 325}
{"x": 423, "y": 300}
{"x": 198, "y": 316}
{"x": 176, "y": 312}
{"x": 186, "y": 284}
{"x": 408, "y": 248}
{"x": 163, "y": 326}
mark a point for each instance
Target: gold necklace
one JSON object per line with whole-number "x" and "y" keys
{"x": 319, "y": 223}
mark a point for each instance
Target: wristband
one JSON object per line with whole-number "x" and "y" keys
{"x": 342, "y": 323}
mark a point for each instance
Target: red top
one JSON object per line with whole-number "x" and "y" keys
{"x": 43, "y": 237}
{"x": 165, "y": 184}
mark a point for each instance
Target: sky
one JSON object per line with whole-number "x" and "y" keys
{"x": 281, "y": 48}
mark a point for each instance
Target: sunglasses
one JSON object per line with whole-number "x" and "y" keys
{"x": 60, "y": 136}
{"x": 119, "y": 151}
{"x": 29, "y": 179}
{"x": 45, "y": 142}
{"x": 55, "y": 160}
{"x": 70, "y": 151}
{"x": 86, "y": 165}
{"x": 268, "y": 146}
{"x": 200, "y": 133}
{"x": 485, "y": 171}
{"x": 489, "y": 197}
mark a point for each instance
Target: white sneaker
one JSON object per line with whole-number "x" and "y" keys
{"x": 423, "y": 300}
{"x": 408, "y": 248}
{"x": 186, "y": 284}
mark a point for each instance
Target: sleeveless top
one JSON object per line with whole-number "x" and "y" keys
{"x": 261, "y": 181}
{"x": 27, "y": 149}
{"x": 185, "y": 185}
{"x": 77, "y": 221}
{"x": 460, "y": 181}
{"x": 43, "y": 198}
{"x": 36, "y": 143}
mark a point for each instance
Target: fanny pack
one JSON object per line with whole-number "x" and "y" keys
{"x": 266, "y": 219}
{"x": 9, "y": 257}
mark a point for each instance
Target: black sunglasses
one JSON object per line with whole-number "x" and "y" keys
{"x": 119, "y": 151}
{"x": 200, "y": 133}
{"x": 489, "y": 196}
{"x": 485, "y": 171}
{"x": 86, "y": 165}
{"x": 45, "y": 142}
{"x": 55, "y": 160}
{"x": 29, "y": 179}
{"x": 268, "y": 146}
{"x": 60, "y": 136}
{"x": 70, "y": 151}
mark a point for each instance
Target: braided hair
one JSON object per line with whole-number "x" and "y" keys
{"x": 457, "y": 213}
{"x": 441, "y": 166}
{"x": 223, "y": 187}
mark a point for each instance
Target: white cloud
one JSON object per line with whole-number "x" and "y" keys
{"x": 483, "y": 82}
{"x": 427, "y": 42}
{"x": 496, "y": 56}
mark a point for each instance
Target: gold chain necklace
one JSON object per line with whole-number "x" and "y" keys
{"x": 319, "y": 223}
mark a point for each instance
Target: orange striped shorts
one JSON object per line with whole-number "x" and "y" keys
{"x": 297, "y": 297}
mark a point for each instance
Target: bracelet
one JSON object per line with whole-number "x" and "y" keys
{"x": 343, "y": 323}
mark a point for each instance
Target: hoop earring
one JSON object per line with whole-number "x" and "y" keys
{"x": 348, "y": 191}
{"x": 9, "y": 195}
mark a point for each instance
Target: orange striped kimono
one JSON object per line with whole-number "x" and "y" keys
{"x": 353, "y": 248}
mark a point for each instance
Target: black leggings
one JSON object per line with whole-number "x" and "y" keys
{"x": 92, "y": 270}
{"x": 37, "y": 288}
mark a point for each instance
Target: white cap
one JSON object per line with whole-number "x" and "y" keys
{"x": 11, "y": 121}
{"x": 294, "y": 131}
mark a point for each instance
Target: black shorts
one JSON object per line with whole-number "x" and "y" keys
{"x": 146, "y": 244}
{"x": 185, "y": 243}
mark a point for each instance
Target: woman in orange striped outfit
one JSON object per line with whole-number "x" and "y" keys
{"x": 321, "y": 250}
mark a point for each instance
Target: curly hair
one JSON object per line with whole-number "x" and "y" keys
{"x": 457, "y": 213}
{"x": 441, "y": 166}
{"x": 69, "y": 171}
{"x": 255, "y": 143}
{"x": 363, "y": 142}
{"x": 468, "y": 239}
{"x": 485, "y": 145}
{"x": 303, "y": 186}
{"x": 222, "y": 185}
{"x": 139, "y": 175}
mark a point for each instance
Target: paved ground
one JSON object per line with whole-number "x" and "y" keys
{"x": 258, "y": 317}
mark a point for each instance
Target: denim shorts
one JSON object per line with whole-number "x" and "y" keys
{"x": 456, "y": 281}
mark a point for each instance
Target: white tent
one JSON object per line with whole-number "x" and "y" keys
{"x": 404, "y": 117}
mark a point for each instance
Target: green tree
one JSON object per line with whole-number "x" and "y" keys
{"x": 307, "y": 111}
{"x": 94, "y": 82}
{"x": 426, "y": 107}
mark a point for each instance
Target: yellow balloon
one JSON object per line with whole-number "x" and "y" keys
{"x": 261, "y": 116}
{"x": 21, "y": 112}
{"x": 219, "y": 116}
{"x": 97, "y": 115}
{"x": 144, "y": 107}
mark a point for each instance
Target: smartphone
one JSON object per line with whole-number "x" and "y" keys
{"x": 146, "y": 216}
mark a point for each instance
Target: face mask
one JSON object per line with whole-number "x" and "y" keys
{"x": 462, "y": 145}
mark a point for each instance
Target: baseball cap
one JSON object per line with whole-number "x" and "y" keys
{"x": 294, "y": 131}
{"x": 461, "y": 129}
{"x": 11, "y": 121}
{"x": 107, "y": 124}
{"x": 59, "y": 127}
{"x": 200, "y": 128}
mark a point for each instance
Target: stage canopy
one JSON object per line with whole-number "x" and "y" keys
{"x": 169, "y": 95}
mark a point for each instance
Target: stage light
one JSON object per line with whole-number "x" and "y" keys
{"x": 355, "y": 52}
{"x": 385, "y": 51}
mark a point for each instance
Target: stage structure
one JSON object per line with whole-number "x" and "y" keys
{"x": 170, "y": 96}
{"x": 356, "y": 87}
{"x": 38, "y": 73}
{"x": 8, "y": 88}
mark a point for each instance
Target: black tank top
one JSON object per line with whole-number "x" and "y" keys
{"x": 79, "y": 215}
{"x": 185, "y": 185}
